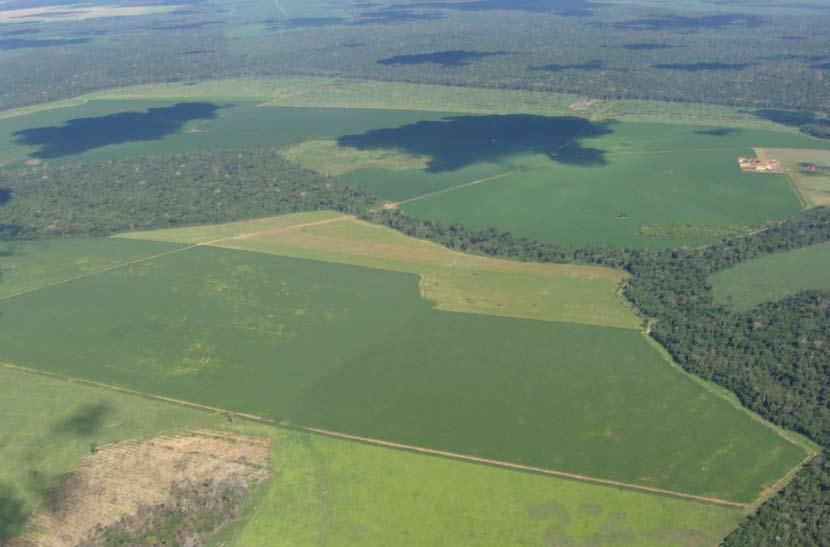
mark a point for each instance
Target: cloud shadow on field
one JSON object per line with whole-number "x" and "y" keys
{"x": 591, "y": 66}
{"x": 449, "y": 58}
{"x": 12, "y": 514}
{"x": 458, "y": 141}
{"x": 701, "y": 67}
{"x": 84, "y": 422}
{"x": 83, "y": 134}
{"x": 717, "y": 132}
{"x": 24, "y": 43}
{"x": 692, "y": 23}
{"x": 790, "y": 118}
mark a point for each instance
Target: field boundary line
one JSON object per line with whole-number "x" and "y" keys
{"x": 382, "y": 443}
{"x": 96, "y": 272}
{"x": 761, "y": 153}
{"x": 451, "y": 189}
{"x": 187, "y": 247}
{"x": 521, "y": 467}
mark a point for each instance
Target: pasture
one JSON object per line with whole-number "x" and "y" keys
{"x": 353, "y": 494}
{"x": 773, "y": 277}
{"x": 808, "y": 169}
{"x": 349, "y": 492}
{"x": 454, "y": 281}
{"x": 359, "y": 351}
{"x": 48, "y": 425}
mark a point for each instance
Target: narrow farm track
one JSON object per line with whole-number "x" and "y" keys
{"x": 399, "y": 446}
{"x": 445, "y": 190}
{"x": 270, "y": 231}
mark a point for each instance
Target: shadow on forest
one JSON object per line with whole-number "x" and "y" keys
{"x": 82, "y": 134}
{"x": 22, "y": 43}
{"x": 791, "y": 118}
{"x": 5, "y": 195}
{"x": 682, "y": 22}
{"x": 443, "y": 58}
{"x": 646, "y": 46}
{"x": 701, "y": 67}
{"x": 821, "y": 66}
{"x": 459, "y": 141}
{"x": 84, "y": 422}
{"x": 717, "y": 132}
{"x": 12, "y": 514}
{"x": 572, "y": 8}
{"x": 596, "y": 64}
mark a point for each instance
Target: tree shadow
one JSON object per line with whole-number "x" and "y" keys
{"x": 443, "y": 58}
{"x": 82, "y": 134}
{"x": 458, "y": 141}
{"x": 84, "y": 422}
{"x": 12, "y": 513}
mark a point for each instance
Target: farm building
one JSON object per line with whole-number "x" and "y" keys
{"x": 757, "y": 165}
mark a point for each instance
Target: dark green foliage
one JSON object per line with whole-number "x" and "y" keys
{"x": 101, "y": 198}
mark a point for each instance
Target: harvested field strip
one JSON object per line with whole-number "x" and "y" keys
{"x": 455, "y": 281}
{"x": 389, "y": 444}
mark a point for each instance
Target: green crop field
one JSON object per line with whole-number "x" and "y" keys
{"x": 27, "y": 265}
{"x": 565, "y": 179}
{"x": 365, "y": 494}
{"x": 341, "y": 493}
{"x": 358, "y": 351}
{"x": 773, "y": 277}
{"x": 454, "y": 281}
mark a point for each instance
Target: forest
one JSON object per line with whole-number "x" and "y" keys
{"x": 777, "y": 58}
{"x": 104, "y": 197}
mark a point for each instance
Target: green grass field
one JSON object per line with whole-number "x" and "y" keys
{"x": 813, "y": 186}
{"x": 346, "y": 493}
{"x": 48, "y": 425}
{"x": 773, "y": 277}
{"x": 453, "y": 281}
{"x": 319, "y": 344}
{"x": 340, "y": 493}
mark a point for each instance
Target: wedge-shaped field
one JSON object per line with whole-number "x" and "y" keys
{"x": 358, "y": 351}
{"x": 454, "y": 281}
{"x": 349, "y": 493}
{"x": 773, "y": 277}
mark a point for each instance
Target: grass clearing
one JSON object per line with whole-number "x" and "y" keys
{"x": 329, "y": 158}
{"x": 808, "y": 169}
{"x": 313, "y": 91}
{"x": 351, "y": 493}
{"x": 358, "y": 351}
{"x": 455, "y": 281}
{"x": 344, "y": 493}
{"x": 773, "y": 277}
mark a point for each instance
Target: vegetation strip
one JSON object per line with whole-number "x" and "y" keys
{"x": 388, "y": 444}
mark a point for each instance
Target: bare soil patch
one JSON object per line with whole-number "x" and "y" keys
{"x": 197, "y": 480}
